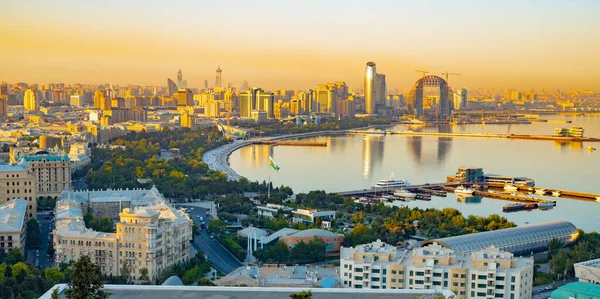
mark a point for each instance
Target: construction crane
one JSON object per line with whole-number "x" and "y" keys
{"x": 422, "y": 71}
{"x": 448, "y": 74}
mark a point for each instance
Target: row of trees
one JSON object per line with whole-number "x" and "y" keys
{"x": 301, "y": 253}
{"x": 102, "y": 224}
{"x": 562, "y": 261}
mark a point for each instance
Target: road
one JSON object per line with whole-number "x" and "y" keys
{"x": 222, "y": 260}
{"x": 44, "y": 242}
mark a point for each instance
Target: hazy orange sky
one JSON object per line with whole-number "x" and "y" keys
{"x": 285, "y": 44}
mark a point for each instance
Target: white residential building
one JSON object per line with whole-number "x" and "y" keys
{"x": 311, "y": 216}
{"x": 488, "y": 273}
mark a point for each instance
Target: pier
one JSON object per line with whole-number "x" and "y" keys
{"x": 291, "y": 143}
{"x": 563, "y": 193}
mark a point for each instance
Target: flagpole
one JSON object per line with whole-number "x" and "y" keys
{"x": 269, "y": 187}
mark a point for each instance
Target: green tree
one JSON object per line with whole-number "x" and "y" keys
{"x": 54, "y": 294}
{"x": 19, "y": 268}
{"x": 54, "y": 274}
{"x": 205, "y": 282}
{"x": 279, "y": 252}
{"x": 217, "y": 226}
{"x": 125, "y": 272}
{"x": 87, "y": 281}
{"x": 144, "y": 274}
{"x": 33, "y": 234}
{"x": 302, "y": 295}
{"x": 14, "y": 256}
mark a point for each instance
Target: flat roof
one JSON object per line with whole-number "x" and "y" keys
{"x": 192, "y": 292}
{"x": 12, "y": 215}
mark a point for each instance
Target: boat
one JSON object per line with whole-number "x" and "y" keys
{"x": 556, "y": 193}
{"x": 391, "y": 183}
{"x": 546, "y": 204}
{"x": 590, "y": 148}
{"x": 598, "y": 198}
{"x": 540, "y": 191}
{"x": 415, "y": 121}
{"x": 373, "y": 131}
{"x": 511, "y": 188}
{"x": 388, "y": 198}
{"x": 513, "y": 207}
{"x": 404, "y": 194}
{"x": 462, "y": 190}
{"x": 531, "y": 206}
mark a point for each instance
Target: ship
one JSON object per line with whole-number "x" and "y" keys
{"x": 546, "y": 204}
{"x": 540, "y": 191}
{"x": 373, "y": 131}
{"x": 511, "y": 207}
{"x": 391, "y": 183}
{"x": 556, "y": 193}
{"x": 531, "y": 206}
{"x": 590, "y": 148}
{"x": 463, "y": 191}
{"x": 405, "y": 194}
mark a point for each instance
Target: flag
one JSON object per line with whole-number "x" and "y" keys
{"x": 273, "y": 164}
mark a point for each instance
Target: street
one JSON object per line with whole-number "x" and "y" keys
{"x": 221, "y": 258}
{"x": 42, "y": 255}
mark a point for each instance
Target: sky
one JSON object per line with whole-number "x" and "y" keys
{"x": 299, "y": 44}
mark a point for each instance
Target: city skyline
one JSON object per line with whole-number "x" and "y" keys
{"x": 502, "y": 45}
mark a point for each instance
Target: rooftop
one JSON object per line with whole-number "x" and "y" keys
{"x": 591, "y": 263}
{"x": 577, "y": 290}
{"x": 11, "y": 168}
{"x": 185, "y": 292}
{"x": 12, "y": 215}
{"x": 314, "y": 232}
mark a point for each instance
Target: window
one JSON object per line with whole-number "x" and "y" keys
{"x": 375, "y": 271}
{"x": 394, "y": 272}
{"x": 345, "y": 266}
{"x": 512, "y": 279}
{"x": 455, "y": 275}
{"x": 393, "y": 280}
{"x": 358, "y": 269}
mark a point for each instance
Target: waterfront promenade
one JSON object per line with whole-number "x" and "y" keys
{"x": 216, "y": 159}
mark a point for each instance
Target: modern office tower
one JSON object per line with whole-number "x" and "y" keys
{"x": 4, "y": 89}
{"x": 205, "y": 84}
{"x": 487, "y": 273}
{"x": 244, "y": 85}
{"x": 150, "y": 233}
{"x": 247, "y": 104}
{"x": 184, "y": 97}
{"x": 13, "y": 225}
{"x": 18, "y": 181}
{"x": 171, "y": 87}
{"x": 380, "y": 90}
{"x": 179, "y": 80}
{"x": 296, "y": 107}
{"x": 30, "y": 101}
{"x": 264, "y": 102}
{"x": 326, "y": 97}
{"x": 370, "y": 72}
{"x": 100, "y": 100}
{"x": 186, "y": 120}
{"x": 256, "y": 99}
{"x": 218, "y": 77}
{"x": 3, "y": 106}
{"x": 76, "y": 100}
{"x": 463, "y": 96}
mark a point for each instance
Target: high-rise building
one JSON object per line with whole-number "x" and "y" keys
{"x": 101, "y": 101}
{"x": 18, "y": 181}
{"x": 184, "y": 97}
{"x": 218, "y": 77}
{"x": 380, "y": 90}
{"x": 370, "y": 73}
{"x": 463, "y": 98}
{"x": 31, "y": 101}
{"x": 53, "y": 172}
{"x": 171, "y": 87}
{"x": 205, "y": 84}
{"x": 179, "y": 80}
{"x": 488, "y": 273}
{"x": 76, "y": 100}
{"x": 256, "y": 99}
{"x": 3, "y": 106}
{"x": 326, "y": 97}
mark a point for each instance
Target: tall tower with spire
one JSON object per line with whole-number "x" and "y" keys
{"x": 179, "y": 79}
{"x": 218, "y": 77}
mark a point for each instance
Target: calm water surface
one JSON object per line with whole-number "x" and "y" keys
{"x": 353, "y": 162}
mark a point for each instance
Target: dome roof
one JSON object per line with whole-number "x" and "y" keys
{"x": 173, "y": 281}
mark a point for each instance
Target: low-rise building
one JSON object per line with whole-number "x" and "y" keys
{"x": 150, "y": 233}
{"x": 12, "y": 225}
{"x": 311, "y": 216}
{"x": 481, "y": 274}
{"x": 270, "y": 210}
{"x": 577, "y": 290}
{"x": 588, "y": 271}
{"x": 333, "y": 242}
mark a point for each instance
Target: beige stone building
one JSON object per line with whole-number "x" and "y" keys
{"x": 12, "y": 225}
{"x": 489, "y": 273}
{"x": 16, "y": 181}
{"x": 150, "y": 233}
{"x": 51, "y": 171}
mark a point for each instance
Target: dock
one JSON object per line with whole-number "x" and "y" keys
{"x": 291, "y": 143}
{"x": 563, "y": 193}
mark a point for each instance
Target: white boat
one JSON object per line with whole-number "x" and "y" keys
{"x": 540, "y": 191}
{"x": 590, "y": 148}
{"x": 511, "y": 188}
{"x": 598, "y": 198}
{"x": 373, "y": 131}
{"x": 388, "y": 198}
{"x": 391, "y": 183}
{"x": 405, "y": 194}
{"x": 463, "y": 190}
{"x": 556, "y": 193}
{"x": 545, "y": 205}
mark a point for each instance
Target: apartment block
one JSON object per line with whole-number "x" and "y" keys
{"x": 311, "y": 216}
{"x": 51, "y": 171}
{"x": 150, "y": 233}
{"x": 17, "y": 181}
{"x": 488, "y": 273}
